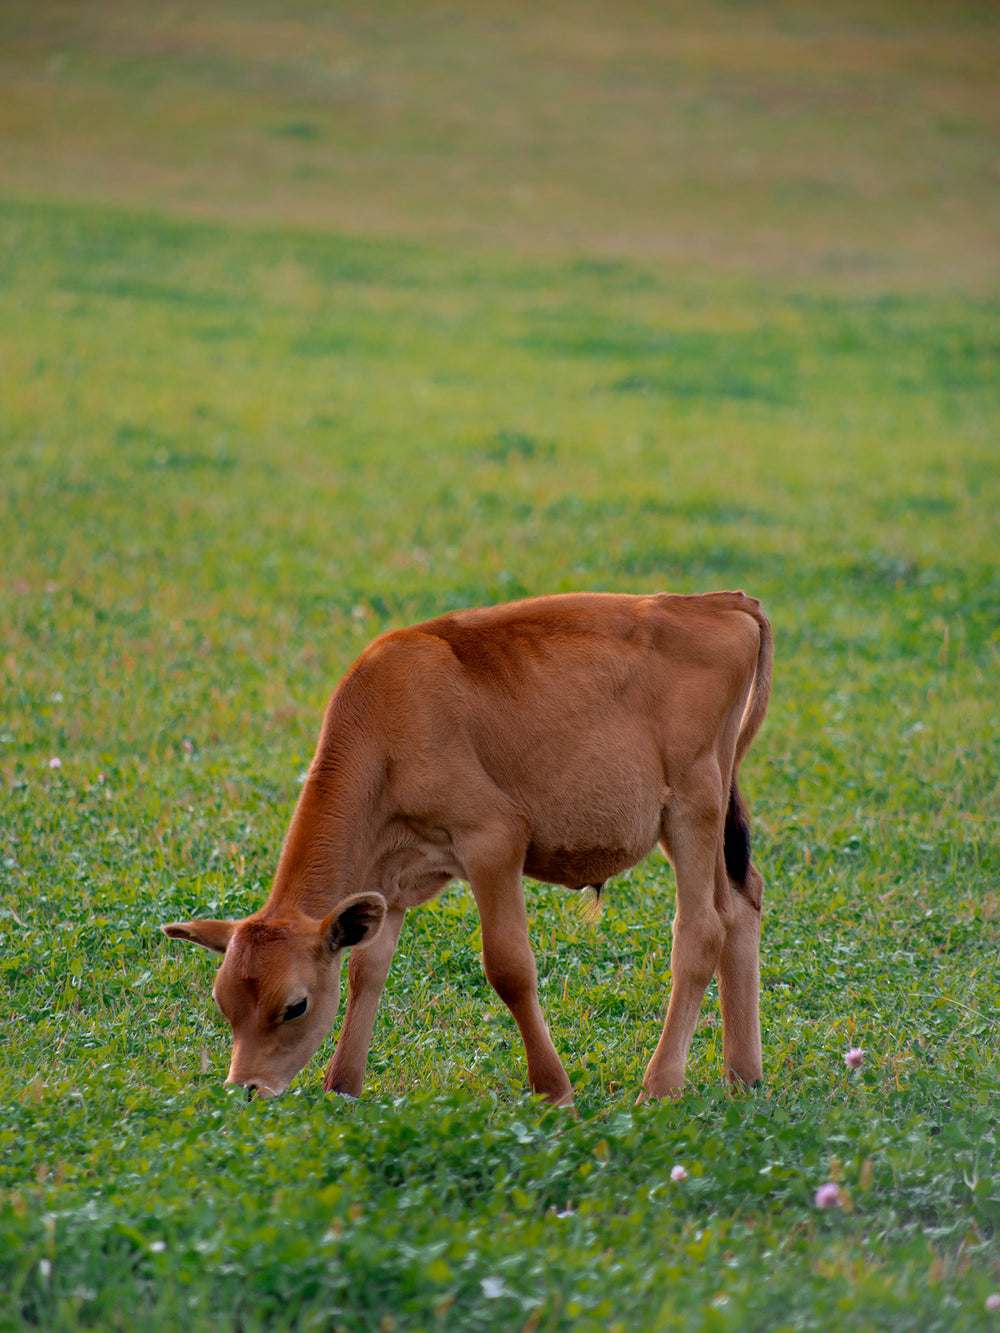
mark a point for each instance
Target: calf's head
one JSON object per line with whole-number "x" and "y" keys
{"x": 279, "y": 984}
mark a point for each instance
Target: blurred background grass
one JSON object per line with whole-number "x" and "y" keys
{"x": 848, "y": 144}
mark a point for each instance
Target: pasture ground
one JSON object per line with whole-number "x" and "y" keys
{"x": 316, "y": 322}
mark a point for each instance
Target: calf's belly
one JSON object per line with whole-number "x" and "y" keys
{"x": 594, "y": 846}
{"x": 575, "y": 867}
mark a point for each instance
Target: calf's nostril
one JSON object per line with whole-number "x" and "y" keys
{"x": 251, "y": 1091}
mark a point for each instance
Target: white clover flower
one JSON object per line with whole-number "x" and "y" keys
{"x": 678, "y": 1173}
{"x": 854, "y": 1058}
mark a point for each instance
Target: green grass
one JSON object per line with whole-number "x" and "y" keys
{"x": 233, "y": 453}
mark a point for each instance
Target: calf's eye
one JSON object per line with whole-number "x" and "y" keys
{"x": 295, "y": 1010}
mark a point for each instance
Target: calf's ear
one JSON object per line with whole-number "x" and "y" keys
{"x": 214, "y": 935}
{"x": 357, "y": 920}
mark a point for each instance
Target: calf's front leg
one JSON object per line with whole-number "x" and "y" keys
{"x": 511, "y": 971}
{"x": 367, "y": 971}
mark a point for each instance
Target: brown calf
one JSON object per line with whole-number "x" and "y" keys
{"x": 560, "y": 737}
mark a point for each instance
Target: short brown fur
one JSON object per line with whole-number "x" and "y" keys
{"x": 561, "y": 737}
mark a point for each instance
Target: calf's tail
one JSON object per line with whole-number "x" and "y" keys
{"x": 736, "y": 839}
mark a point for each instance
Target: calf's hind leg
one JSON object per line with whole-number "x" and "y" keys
{"x": 739, "y": 991}
{"x": 692, "y": 837}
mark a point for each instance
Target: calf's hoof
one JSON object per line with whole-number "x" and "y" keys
{"x": 343, "y": 1087}
{"x": 739, "y": 1084}
{"x": 659, "y": 1093}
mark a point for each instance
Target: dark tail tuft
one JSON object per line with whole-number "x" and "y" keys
{"x": 737, "y": 839}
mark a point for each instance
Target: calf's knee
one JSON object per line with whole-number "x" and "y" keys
{"x": 697, "y": 945}
{"x": 511, "y": 976}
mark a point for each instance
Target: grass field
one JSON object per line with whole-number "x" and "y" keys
{"x": 318, "y": 320}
